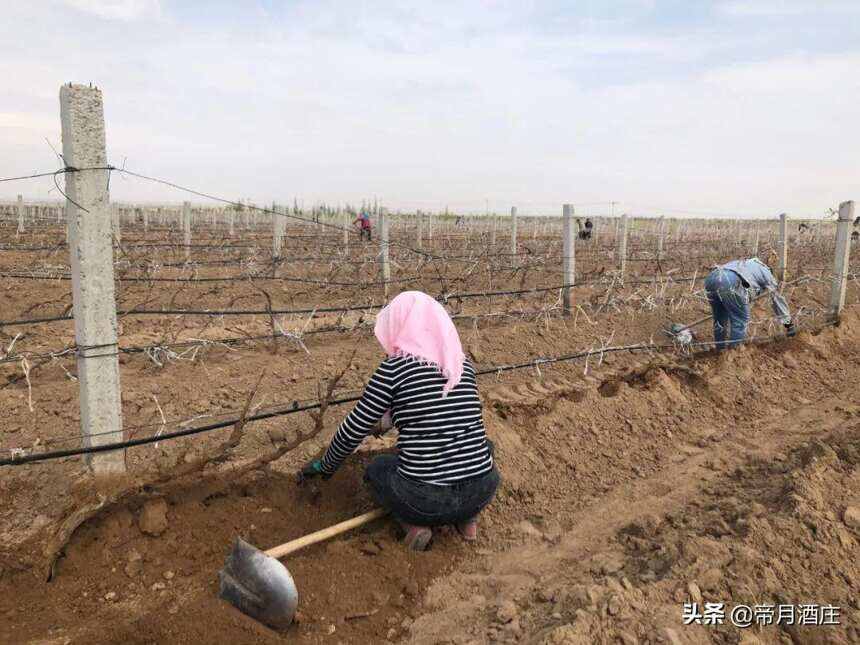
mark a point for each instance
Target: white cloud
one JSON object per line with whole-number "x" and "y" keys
{"x": 433, "y": 105}
{"x": 751, "y": 8}
{"x": 125, "y": 10}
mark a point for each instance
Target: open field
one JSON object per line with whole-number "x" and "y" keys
{"x": 634, "y": 478}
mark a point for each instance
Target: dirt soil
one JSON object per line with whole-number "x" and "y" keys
{"x": 631, "y": 484}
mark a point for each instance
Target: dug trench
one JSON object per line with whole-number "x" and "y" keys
{"x": 733, "y": 477}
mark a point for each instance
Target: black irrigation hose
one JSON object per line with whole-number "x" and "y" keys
{"x": 279, "y": 312}
{"x": 261, "y": 312}
{"x": 33, "y": 321}
{"x": 60, "y": 454}
{"x": 246, "y": 278}
{"x": 653, "y": 280}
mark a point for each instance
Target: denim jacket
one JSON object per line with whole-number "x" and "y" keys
{"x": 758, "y": 278}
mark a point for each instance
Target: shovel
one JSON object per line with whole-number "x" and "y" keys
{"x": 258, "y": 585}
{"x": 681, "y": 333}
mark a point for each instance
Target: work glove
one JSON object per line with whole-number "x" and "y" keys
{"x": 790, "y": 329}
{"x": 312, "y": 469}
{"x": 384, "y": 425}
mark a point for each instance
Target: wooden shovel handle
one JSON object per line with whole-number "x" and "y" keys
{"x": 324, "y": 534}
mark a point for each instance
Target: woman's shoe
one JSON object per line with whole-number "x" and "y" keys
{"x": 469, "y": 529}
{"x": 417, "y": 537}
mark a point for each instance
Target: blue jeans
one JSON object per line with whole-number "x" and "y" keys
{"x": 730, "y": 305}
{"x": 423, "y": 504}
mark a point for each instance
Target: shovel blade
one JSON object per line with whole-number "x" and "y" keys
{"x": 259, "y": 586}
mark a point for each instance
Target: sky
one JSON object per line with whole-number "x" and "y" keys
{"x": 676, "y": 107}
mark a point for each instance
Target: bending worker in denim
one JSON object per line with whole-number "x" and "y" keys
{"x": 731, "y": 288}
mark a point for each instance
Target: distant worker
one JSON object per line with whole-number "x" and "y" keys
{"x": 585, "y": 232}
{"x": 363, "y": 222}
{"x": 731, "y": 288}
{"x": 443, "y": 472}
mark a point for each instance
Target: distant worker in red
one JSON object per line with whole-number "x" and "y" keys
{"x": 363, "y": 223}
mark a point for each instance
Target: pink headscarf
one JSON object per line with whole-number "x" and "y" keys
{"x": 414, "y": 324}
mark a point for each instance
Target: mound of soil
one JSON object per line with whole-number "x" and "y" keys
{"x": 629, "y": 488}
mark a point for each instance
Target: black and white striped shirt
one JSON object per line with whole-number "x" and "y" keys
{"x": 441, "y": 440}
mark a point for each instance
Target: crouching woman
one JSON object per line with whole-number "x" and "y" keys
{"x": 443, "y": 472}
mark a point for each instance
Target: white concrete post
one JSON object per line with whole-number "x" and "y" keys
{"x": 840, "y": 263}
{"x": 383, "y": 249}
{"x": 419, "y": 233}
{"x": 430, "y": 227}
{"x": 569, "y": 258}
{"x": 20, "y": 214}
{"x": 145, "y": 220}
{"x": 278, "y": 228}
{"x": 782, "y": 257}
{"x": 115, "y": 224}
{"x": 755, "y": 243}
{"x": 622, "y": 246}
{"x": 186, "y": 229}
{"x": 495, "y": 229}
{"x": 513, "y": 235}
{"x": 346, "y": 225}
{"x": 231, "y": 221}
{"x": 88, "y": 212}
{"x": 661, "y": 237}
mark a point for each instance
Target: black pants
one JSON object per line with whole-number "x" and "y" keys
{"x": 425, "y": 504}
{"x": 364, "y": 233}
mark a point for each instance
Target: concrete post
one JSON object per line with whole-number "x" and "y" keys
{"x": 755, "y": 243}
{"x": 513, "y": 236}
{"x": 782, "y": 257}
{"x": 661, "y": 237}
{"x": 186, "y": 229}
{"x": 88, "y": 211}
{"x": 419, "y": 234}
{"x": 383, "y": 249}
{"x": 622, "y": 246}
{"x": 231, "y": 221}
{"x": 495, "y": 229}
{"x": 430, "y": 227}
{"x": 345, "y": 219}
{"x": 568, "y": 257}
{"x": 20, "y": 214}
{"x": 145, "y": 220}
{"x": 840, "y": 262}
{"x": 278, "y": 228}
{"x": 115, "y": 224}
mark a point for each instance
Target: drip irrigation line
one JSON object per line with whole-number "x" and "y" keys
{"x": 293, "y": 409}
{"x": 233, "y": 340}
{"x": 609, "y": 281}
{"x": 34, "y": 321}
{"x": 246, "y": 278}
